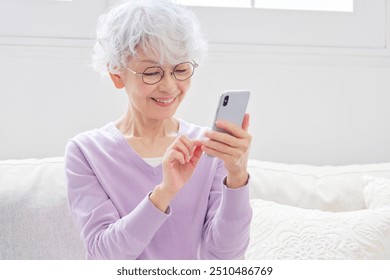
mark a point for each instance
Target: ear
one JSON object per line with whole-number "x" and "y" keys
{"x": 117, "y": 80}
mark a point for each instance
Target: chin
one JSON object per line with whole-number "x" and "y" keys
{"x": 166, "y": 117}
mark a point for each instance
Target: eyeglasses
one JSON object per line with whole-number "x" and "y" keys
{"x": 152, "y": 75}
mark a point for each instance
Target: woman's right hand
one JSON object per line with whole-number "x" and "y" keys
{"x": 179, "y": 163}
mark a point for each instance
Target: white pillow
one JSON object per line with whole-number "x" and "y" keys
{"x": 329, "y": 188}
{"x": 286, "y": 232}
{"x": 377, "y": 193}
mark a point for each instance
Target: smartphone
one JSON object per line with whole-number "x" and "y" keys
{"x": 231, "y": 107}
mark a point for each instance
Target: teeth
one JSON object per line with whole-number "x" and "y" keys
{"x": 163, "y": 101}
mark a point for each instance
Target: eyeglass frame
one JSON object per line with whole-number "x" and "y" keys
{"x": 193, "y": 63}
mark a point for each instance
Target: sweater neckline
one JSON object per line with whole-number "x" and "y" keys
{"x": 134, "y": 155}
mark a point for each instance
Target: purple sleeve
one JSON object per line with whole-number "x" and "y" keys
{"x": 226, "y": 231}
{"x": 106, "y": 235}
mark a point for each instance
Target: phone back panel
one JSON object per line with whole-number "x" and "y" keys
{"x": 234, "y": 109}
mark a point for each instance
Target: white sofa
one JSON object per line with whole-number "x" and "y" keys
{"x": 300, "y": 211}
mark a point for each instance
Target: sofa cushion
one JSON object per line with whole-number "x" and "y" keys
{"x": 36, "y": 222}
{"x": 377, "y": 193}
{"x": 35, "y": 219}
{"x": 329, "y": 188}
{"x": 286, "y": 232}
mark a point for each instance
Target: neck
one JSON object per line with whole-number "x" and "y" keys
{"x": 133, "y": 125}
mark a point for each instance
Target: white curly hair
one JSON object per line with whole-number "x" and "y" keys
{"x": 169, "y": 31}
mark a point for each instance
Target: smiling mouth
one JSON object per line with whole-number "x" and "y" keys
{"x": 164, "y": 101}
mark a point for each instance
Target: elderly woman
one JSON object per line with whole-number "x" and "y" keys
{"x": 142, "y": 187}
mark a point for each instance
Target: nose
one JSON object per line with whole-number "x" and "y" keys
{"x": 168, "y": 83}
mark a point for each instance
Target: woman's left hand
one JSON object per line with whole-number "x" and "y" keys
{"x": 232, "y": 148}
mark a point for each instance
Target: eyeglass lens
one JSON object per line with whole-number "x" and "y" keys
{"x": 181, "y": 72}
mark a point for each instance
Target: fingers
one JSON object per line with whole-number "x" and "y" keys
{"x": 185, "y": 150}
{"x": 232, "y": 147}
{"x": 235, "y": 130}
{"x": 220, "y": 137}
{"x": 245, "y": 122}
{"x": 216, "y": 148}
{"x": 175, "y": 155}
{"x": 184, "y": 146}
{"x": 227, "y": 151}
{"x": 223, "y": 145}
{"x": 223, "y": 141}
{"x": 197, "y": 152}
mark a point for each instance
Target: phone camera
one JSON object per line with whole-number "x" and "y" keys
{"x": 226, "y": 100}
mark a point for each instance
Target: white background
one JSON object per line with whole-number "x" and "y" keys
{"x": 304, "y": 270}
{"x": 320, "y": 81}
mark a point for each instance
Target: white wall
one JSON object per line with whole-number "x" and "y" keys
{"x": 306, "y": 109}
{"x": 311, "y": 103}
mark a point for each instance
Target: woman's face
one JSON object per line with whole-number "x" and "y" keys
{"x": 158, "y": 101}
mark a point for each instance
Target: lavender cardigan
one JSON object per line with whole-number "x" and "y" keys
{"x": 108, "y": 188}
